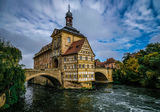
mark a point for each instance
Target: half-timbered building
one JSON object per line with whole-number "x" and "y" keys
{"x": 71, "y": 53}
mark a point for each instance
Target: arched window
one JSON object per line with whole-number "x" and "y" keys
{"x": 69, "y": 39}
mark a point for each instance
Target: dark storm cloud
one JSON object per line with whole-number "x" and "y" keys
{"x": 28, "y": 46}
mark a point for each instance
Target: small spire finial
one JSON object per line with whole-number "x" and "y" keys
{"x": 69, "y": 7}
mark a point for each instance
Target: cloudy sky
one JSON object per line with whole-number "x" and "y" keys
{"x": 113, "y": 27}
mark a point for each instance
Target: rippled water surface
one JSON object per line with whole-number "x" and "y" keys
{"x": 110, "y": 98}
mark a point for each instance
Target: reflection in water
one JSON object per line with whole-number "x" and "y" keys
{"x": 104, "y": 98}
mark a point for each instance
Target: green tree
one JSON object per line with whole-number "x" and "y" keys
{"x": 126, "y": 57}
{"x": 153, "y": 47}
{"x": 150, "y": 69}
{"x": 12, "y": 76}
{"x": 141, "y": 68}
{"x": 132, "y": 72}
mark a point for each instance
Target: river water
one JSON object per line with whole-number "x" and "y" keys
{"x": 106, "y": 98}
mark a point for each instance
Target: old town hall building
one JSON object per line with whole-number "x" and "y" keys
{"x": 71, "y": 53}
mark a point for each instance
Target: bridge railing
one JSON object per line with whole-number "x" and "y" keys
{"x": 38, "y": 70}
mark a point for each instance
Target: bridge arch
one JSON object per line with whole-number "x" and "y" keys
{"x": 49, "y": 76}
{"x": 100, "y": 77}
{"x": 104, "y": 72}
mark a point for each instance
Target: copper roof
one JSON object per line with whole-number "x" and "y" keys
{"x": 75, "y": 47}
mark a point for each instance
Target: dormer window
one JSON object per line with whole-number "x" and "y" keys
{"x": 77, "y": 46}
{"x": 69, "y": 39}
{"x": 70, "y": 48}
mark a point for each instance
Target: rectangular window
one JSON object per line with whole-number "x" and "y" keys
{"x": 74, "y": 76}
{"x": 91, "y": 58}
{"x": 92, "y": 66}
{"x": 69, "y": 39}
{"x": 75, "y": 66}
{"x": 75, "y": 58}
{"x": 83, "y": 65}
{"x": 87, "y": 66}
{"x": 64, "y": 59}
{"x": 80, "y": 57}
{"x": 86, "y": 58}
{"x": 79, "y": 65}
{"x": 64, "y": 66}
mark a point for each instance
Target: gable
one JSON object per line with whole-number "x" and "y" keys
{"x": 56, "y": 31}
{"x": 86, "y": 49}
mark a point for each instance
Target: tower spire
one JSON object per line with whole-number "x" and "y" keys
{"x": 69, "y": 17}
{"x": 68, "y": 7}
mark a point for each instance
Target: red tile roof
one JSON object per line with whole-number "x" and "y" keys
{"x": 75, "y": 47}
{"x": 110, "y": 60}
{"x": 103, "y": 64}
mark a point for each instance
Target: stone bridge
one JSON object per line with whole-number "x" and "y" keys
{"x": 51, "y": 74}
{"x": 102, "y": 75}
